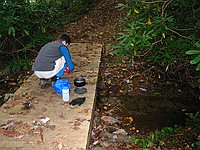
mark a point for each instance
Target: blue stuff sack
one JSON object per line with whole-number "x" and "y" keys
{"x": 60, "y": 84}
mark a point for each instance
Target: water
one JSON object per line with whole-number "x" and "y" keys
{"x": 151, "y": 111}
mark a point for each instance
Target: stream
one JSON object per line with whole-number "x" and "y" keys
{"x": 154, "y": 109}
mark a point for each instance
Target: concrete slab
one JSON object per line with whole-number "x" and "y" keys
{"x": 68, "y": 128}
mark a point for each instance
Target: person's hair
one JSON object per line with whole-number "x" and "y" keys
{"x": 65, "y": 37}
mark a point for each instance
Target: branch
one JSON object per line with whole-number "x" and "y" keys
{"x": 16, "y": 51}
{"x": 177, "y": 33}
{"x": 159, "y": 41}
{"x": 153, "y": 2}
{"x": 2, "y": 52}
{"x": 189, "y": 29}
{"x": 137, "y": 74}
{"x": 164, "y": 6}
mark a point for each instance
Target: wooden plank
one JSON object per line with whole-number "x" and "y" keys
{"x": 68, "y": 127}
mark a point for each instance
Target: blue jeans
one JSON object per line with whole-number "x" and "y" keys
{"x": 60, "y": 73}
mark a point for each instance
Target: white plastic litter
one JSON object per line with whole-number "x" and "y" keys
{"x": 142, "y": 89}
{"x": 45, "y": 120}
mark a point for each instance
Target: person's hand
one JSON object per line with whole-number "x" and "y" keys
{"x": 67, "y": 71}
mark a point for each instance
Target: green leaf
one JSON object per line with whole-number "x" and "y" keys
{"x": 198, "y": 44}
{"x": 198, "y": 67}
{"x": 119, "y": 38}
{"x": 198, "y": 142}
{"x": 148, "y": 43}
{"x": 150, "y": 31}
{"x": 120, "y": 5}
{"x": 195, "y": 60}
{"x": 191, "y": 52}
{"x": 123, "y": 41}
{"x": 26, "y": 32}
{"x": 123, "y": 34}
{"x": 11, "y": 30}
{"x": 116, "y": 47}
{"x": 139, "y": 41}
{"x": 170, "y": 19}
{"x": 127, "y": 30}
{"x": 129, "y": 13}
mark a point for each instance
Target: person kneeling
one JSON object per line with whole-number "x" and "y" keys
{"x": 52, "y": 61}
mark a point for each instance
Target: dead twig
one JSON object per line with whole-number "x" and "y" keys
{"x": 41, "y": 135}
{"x": 177, "y": 33}
{"x": 137, "y": 74}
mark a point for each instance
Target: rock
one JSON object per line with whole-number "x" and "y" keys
{"x": 102, "y": 86}
{"x": 5, "y": 71}
{"x": 7, "y": 96}
{"x": 105, "y": 144}
{"x": 120, "y": 131}
{"x": 113, "y": 101}
{"x": 122, "y": 138}
{"x": 106, "y": 135}
{"x": 99, "y": 148}
{"x": 109, "y": 120}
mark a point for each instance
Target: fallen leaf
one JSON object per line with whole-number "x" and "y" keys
{"x": 60, "y": 145}
{"x": 149, "y": 21}
{"x": 133, "y": 128}
{"x": 12, "y": 83}
{"x": 77, "y": 123}
{"x": 19, "y": 137}
{"x": 141, "y": 78}
{"x": 121, "y": 91}
{"x": 76, "y": 128}
{"x": 84, "y": 110}
{"x": 9, "y": 133}
{"x": 41, "y": 117}
{"x": 109, "y": 81}
{"x": 136, "y": 11}
{"x": 128, "y": 119}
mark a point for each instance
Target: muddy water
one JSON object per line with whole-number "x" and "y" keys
{"x": 158, "y": 108}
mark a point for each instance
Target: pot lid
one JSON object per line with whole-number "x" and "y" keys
{"x": 80, "y": 90}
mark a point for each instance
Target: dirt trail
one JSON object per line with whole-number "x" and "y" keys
{"x": 100, "y": 25}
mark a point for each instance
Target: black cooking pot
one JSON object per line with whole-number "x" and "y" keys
{"x": 79, "y": 82}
